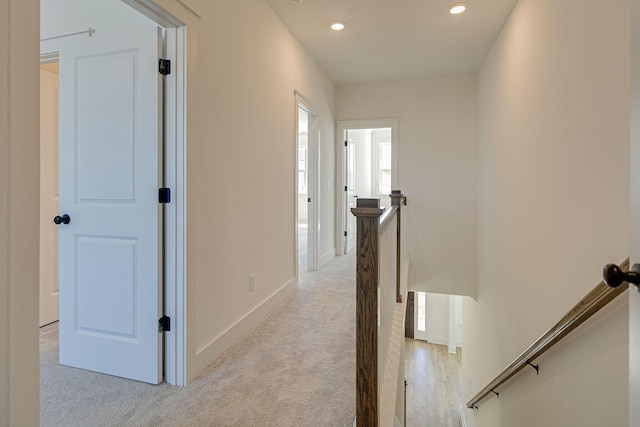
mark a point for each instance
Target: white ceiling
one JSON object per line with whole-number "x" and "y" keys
{"x": 394, "y": 39}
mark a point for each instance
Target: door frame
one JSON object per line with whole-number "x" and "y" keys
{"x": 341, "y": 128}
{"x": 175, "y": 345}
{"x": 349, "y": 144}
{"x": 175, "y": 133}
{"x": 634, "y": 249}
{"x": 313, "y": 181}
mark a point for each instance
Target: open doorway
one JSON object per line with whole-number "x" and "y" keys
{"x": 85, "y": 46}
{"x": 436, "y": 318}
{"x": 306, "y": 185}
{"x": 368, "y": 166}
{"x": 49, "y": 190}
{"x": 303, "y": 189}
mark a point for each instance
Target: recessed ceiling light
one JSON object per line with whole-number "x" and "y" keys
{"x": 338, "y": 25}
{"x": 457, "y": 8}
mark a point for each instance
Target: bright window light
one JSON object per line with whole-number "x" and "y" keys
{"x": 422, "y": 311}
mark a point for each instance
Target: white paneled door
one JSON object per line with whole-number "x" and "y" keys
{"x": 110, "y": 172}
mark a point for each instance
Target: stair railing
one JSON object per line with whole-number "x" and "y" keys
{"x": 379, "y": 310}
{"x": 593, "y": 302}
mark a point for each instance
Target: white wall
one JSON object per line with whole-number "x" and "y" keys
{"x": 436, "y": 171}
{"x": 19, "y": 200}
{"x": 241, "y": 198}
{"x": 552, "y": 211}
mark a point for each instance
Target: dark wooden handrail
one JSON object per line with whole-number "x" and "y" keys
{"x": 593, "y": 302}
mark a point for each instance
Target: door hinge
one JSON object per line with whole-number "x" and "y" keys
{"x": 164, "y": 324}
{"x": 164, "y": 195}
{"x": 345, "y": 143}
{"x": 345, "y": 188}
{"x": 164, "y": 66}
{"x": 345, "y": 234}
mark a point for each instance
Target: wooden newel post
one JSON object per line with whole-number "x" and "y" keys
{"x": 368, "y": 214}
{"x": 396, "y": 200}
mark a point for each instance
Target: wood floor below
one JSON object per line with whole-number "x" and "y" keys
{"x": 433, "y": 384}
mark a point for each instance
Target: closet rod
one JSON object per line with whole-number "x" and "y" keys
{"x": 89, "y": 31}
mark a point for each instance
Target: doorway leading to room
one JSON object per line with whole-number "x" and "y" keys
{"x": 368, "y": 165}
{"x": 49, "y": 190}
{"x": 436, "y": 318}
{"x": 307, "y": 161}
{"x": 108, "y": 130}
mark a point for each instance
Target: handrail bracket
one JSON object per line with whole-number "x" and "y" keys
{"x": 536, "y": 367}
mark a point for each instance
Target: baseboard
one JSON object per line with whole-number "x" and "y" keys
{"x": 439, "y": 341}
{"x": 328, "y": 256}
{"x": 211, "y": 351}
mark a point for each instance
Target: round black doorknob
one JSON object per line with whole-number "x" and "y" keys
{"x": 614, "y": 276}
{"x": 64, "y": 219}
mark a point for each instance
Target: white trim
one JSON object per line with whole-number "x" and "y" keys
{"x": 175, "y": 372}
{"x": 437, "y": 341}
{"x": 341, "y": 128}
{"x": 156, "y": 13}
{"x": 180, "y": 197}
{"x": 211, "y": 351}
{"x": 186, "y": 299}
{"x": 327, "y": 256}
{"x": 175, "y": 178}
{"x": 310, "y": 105}
{"x": 48, "y": 58}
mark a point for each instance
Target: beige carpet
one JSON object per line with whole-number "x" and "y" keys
{"x": 295, "y": 369}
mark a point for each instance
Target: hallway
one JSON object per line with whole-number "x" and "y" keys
{"x": 297, "y": 368}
